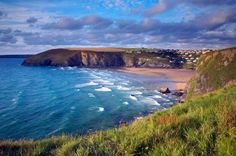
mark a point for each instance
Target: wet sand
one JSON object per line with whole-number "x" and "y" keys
{"x": 180, "y": 76}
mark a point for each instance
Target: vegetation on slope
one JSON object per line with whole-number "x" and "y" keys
{"x": 203, "y": 126}
{"x": 214, "y": 70}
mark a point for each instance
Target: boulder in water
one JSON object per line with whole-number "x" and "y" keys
{"x": 164, "y": 90}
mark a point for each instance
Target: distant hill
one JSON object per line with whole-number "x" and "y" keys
{"x": 214, "y": 70}
{"x": 114, "y": 57}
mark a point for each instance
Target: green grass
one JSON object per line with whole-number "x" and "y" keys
{"x": 214, "y": 70}
{"x": 202, "y": 126}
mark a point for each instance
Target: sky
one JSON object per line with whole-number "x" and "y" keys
{"x": 32, "y": 26}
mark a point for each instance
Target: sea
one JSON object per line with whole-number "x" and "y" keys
{"x": 39, "y": 102}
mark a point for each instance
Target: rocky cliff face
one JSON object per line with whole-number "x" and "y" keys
{"x": 96, "y": 59}
{"x": 214, "y": 70}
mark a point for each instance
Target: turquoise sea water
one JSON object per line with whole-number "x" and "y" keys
{"x": 37, "y": 102}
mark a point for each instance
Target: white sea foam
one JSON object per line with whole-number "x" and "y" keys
{"x": 103, "y": 89}
{"x": 104, "y": 82}
{"x": 51, "y": 113}
{"x": 91, "y": 95}
{"x": 95, "y": 76}
{"x": 86, "y": 84}
{"x": 133, "y": 97}
{"x": 100, "y": 109}
{"x": 62, "y": 68}
{"x": 150, "y": 101}
{"x": 136, "y": 92}
{"x": 164, "y": 99}
{"x": 160, "y": 93}
{"x": 122, "y": 88}
{"x": 70, "y": 68}
{"x": 108, "y": 83}
{"x": 14, "y": 100}
{"x": 126, "y": 83}
{"x": 156, "y": 97}
{"x": 125, "y": 103}
{"x": 54, "y": 131}
{"x": 169, "y": 103}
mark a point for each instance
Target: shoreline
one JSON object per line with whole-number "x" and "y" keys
{"x": 179, "y": 76}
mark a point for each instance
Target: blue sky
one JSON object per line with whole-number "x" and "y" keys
{"x": 34, "y": 26}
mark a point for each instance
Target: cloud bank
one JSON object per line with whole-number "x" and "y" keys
{"x": 32, "y": 27}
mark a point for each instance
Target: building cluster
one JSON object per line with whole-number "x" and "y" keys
{"x": 186, "y": 58}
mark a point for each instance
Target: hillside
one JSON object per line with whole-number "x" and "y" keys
{"x": 203, "y": 125}
{"x": 113, "y": 57}
{"x": 214, "y": 70}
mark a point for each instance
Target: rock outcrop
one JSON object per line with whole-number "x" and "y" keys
{"x": 97, "y": 58}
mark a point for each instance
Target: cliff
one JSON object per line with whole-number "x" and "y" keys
{"x": 99, "y": 58}
{"x": 214, "y": 70}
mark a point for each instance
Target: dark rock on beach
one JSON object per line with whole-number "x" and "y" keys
{"x": 164, "y": 90}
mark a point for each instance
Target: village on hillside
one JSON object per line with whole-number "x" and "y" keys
{"x": 186, "y": 58}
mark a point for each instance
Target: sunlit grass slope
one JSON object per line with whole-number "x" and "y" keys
{"x": 203, "y": 126}
{"x": 214, "y": 70}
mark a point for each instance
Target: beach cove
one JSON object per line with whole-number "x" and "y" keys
{"x": 76, "y": 100}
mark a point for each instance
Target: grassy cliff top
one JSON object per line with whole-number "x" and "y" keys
{"x": 98, "y": 49}
{"x": 214, "y": 70}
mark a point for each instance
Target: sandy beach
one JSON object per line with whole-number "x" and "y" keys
{"x": 181, "y": 76}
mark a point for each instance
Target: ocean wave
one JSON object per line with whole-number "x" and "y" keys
{"x": 125, "y": 103}
{"x": 150, "y": 101}
{"x": 72, "y": 108}
{"x": 54, "y": 131}
{"x": 125, "y": 83}
{"x": 104, "y": 82}
{"x": 168, "y": 103}
{"x": 164, "y": 99}
{"x": 91, "y": 95}
{"x": 67, "y": 68}
{"x": 70, "y": 68}
{"x": 86, "y": 84}
{"x": 103, "y": 89}
{"x": 122, "y": 88}
{"x": 62, "y": 68}
{"x": 136, "y": 92}
{"x": 133, "y": 97}
{"x": 14, "y": 100}
{"x": 100, "y": 109}
{"x": 160, "y": 93}
{"x": 156, "y": 97}
{"x": 95, "y": 76}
